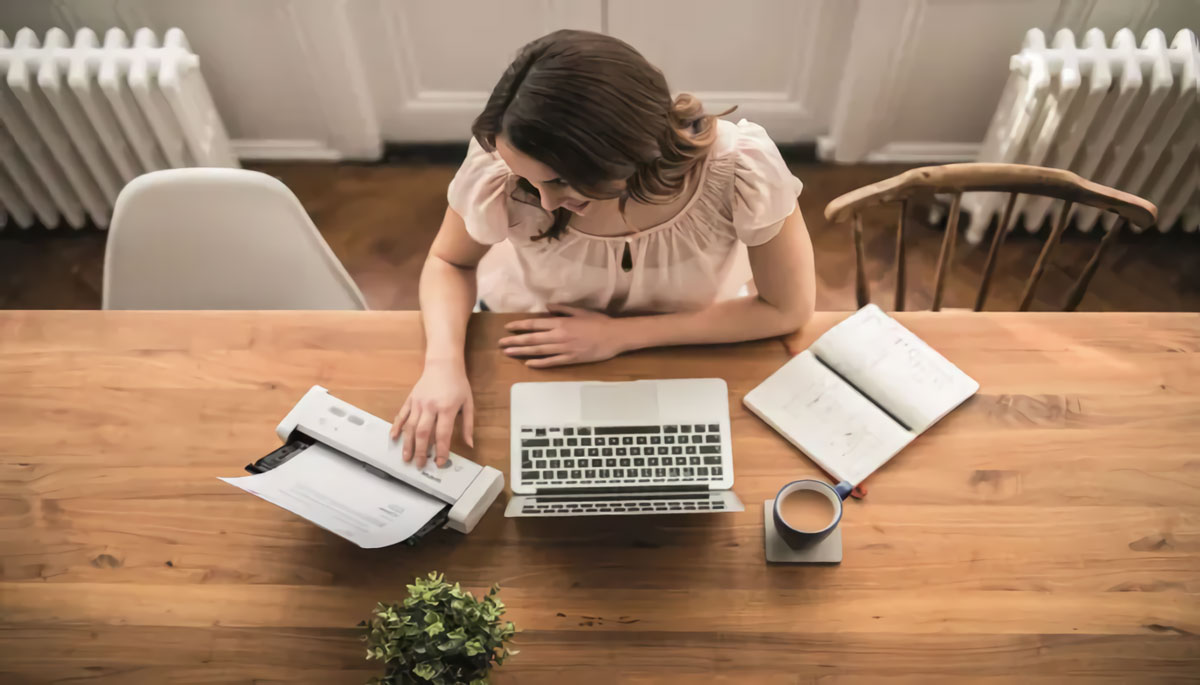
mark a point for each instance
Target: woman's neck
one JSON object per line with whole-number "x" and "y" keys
{"x": 605, "y": 217}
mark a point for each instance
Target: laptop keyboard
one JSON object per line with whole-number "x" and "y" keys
{"x": 676, "y": 504}
{"x": 620, "y": 455}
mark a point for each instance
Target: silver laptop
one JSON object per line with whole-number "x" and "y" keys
{"x": 637, "y": 447}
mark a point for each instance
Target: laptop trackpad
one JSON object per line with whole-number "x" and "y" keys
{"x": 636, "y": 403}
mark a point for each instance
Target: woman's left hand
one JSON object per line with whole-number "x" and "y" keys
{"x": 577, "y": 336}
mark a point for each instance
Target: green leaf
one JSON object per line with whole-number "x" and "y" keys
{"x": 439, "y": 633}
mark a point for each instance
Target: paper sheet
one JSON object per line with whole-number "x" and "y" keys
{"x": 340, "y": 495}
{"x": 895, "y": 367}
{"x": 838, "y": 428}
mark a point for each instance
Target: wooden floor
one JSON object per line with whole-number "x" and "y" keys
{"x": 380, "y": 220}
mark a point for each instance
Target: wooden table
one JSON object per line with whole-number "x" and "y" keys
{"x": 1048, "y": 528}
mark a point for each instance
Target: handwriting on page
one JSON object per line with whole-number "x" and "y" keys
{"x": 898, "y": 347}
{"x": 835, "y": 424}
{"x": 836, "y": 432}
{"x": 894, "y": 367}
{"x": 928, "y": 370}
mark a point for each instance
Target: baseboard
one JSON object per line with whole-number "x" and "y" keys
{"x": 799, "y": 153}
{"x": 266, "y": 149}
{"x": 925, "y": 152}
{"x": 453, "y": 153}
{"x": 825, "y": 148}
{"x": 424, "y": 153}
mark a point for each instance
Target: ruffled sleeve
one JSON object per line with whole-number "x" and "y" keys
{"x": 479, "y": 193}
{"x": 765, "y": 191}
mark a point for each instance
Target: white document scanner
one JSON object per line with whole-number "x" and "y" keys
{"x": 340, "y": 469}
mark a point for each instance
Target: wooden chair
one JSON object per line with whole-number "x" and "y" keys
{"x": 1010, "y": 178}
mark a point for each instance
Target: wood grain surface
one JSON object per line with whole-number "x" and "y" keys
{"x": 1048, "y": 531}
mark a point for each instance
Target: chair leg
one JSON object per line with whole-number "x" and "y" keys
{"x": 862, "y": 290}
{"x": 901, "y": 279}
{"x": 947, "y": 253}
{"x": 1080, "y": 287}
{"x": 1044, "y": 257}
{"x": 994, "y": 251}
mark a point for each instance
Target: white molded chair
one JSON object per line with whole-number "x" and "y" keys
{"x": 211, "y": 238}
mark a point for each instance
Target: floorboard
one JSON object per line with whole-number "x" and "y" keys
{"x": 380, "y": 221}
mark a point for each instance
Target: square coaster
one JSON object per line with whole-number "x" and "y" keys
{"x": 827, "y": 551}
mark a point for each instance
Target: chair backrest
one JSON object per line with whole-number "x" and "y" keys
{"x": 207, "y": 238}
{"x": 1014, "y": 179}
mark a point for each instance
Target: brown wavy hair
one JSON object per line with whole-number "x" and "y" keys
{"x": 591, "y": 108}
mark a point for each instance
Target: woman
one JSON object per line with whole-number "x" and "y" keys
{"x": 637, "y": 220}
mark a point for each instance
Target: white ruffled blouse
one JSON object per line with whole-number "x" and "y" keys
{"x": 745, "y": 193}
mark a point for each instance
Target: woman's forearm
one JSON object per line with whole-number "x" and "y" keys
{"x": 447, "y": 297}
{"x": 744, "y": 318}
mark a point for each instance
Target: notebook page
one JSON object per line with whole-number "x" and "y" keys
{"x": 896, "y": 368}
{"x": 842, "y": 431}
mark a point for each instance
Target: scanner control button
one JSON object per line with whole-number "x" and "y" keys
{"x": 337, "y": 411}
{"x": 356, "y": 420}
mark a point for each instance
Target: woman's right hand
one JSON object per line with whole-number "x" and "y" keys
{"x": 427, "y": 416}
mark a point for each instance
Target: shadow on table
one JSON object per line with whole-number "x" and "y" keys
{"x": 564, "y": 555}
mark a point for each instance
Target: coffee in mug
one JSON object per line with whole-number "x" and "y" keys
{"x": 807, "y": 510}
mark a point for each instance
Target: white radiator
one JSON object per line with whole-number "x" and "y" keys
{"x": 78, "y": 121}
{"x": 1126, "y": 116}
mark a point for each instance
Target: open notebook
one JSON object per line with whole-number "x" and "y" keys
{"x": 859, "y": 394}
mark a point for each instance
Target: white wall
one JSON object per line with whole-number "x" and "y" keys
{"x": 777, "y": 60}
{"x": 334, "y": 78}
{"x": 924, "y": 76}
{"x": 879, "y": 79}
{"x": 430, "y": 64}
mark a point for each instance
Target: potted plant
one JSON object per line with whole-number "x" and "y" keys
{"x": 439, "y": 634}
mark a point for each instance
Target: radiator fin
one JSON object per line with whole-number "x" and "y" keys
{"x": 1124, "y": 114}
{"x": 79, "y": 119}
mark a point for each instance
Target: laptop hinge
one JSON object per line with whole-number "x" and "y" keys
{"x": 634, "y": 490}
